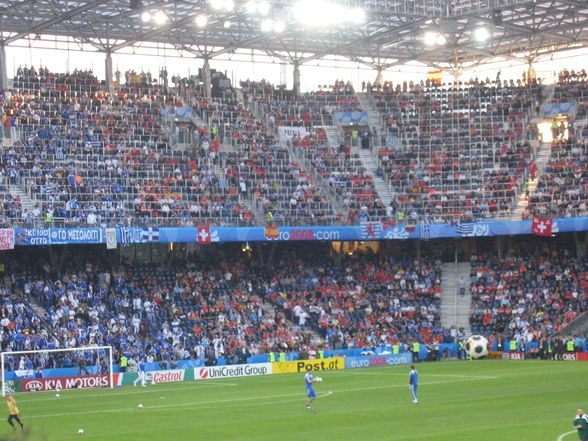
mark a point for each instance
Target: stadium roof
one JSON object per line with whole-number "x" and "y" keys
{"x": 392, "y": 33}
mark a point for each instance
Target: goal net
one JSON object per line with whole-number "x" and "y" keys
{"x": 56, "y": 369}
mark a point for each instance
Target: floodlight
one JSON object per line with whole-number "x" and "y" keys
{"x": 159, "y": 17}
{"x": 279, "y": 26}
{"x": 481, "y": 34}
{"x": 440, "y": 40}
{"x": 266, "y": 25}
{"x": 251, "y": 7}
{"x": 229, "y": 5}
{"x": 227, "y": 24}
{"x": 263, "y": 7}
{"x": 201, "y": 20}
{"x": 146, "y": 16}
{"x": 430, "y": 38}
{"x": 217, "y": 4}
{"x": 357, "y": 15}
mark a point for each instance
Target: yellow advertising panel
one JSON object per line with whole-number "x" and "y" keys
{"x": 300, "y": 366}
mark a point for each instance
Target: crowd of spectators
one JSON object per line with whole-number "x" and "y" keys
{"x": 104, "y": 159}
{"x": 263, "y": 169}
{"x": 208, "y": 308}
{"x": 529, "y": 294}
{"x": 460, "y": 152}
{"x": 562, "y": 190}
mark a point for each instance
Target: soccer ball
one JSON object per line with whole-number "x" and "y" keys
{"x": 319, "y": 379}
{"x": 81, "y": 431}
{"x": 140, "y": 406}
{"x": 477, "y": 346}
{"x": 57, "y": 395}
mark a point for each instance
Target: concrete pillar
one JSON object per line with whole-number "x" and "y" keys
{"x": 207, "y": 78}
{"x": 108, "y": 71}
{"x": 296, "y": 87}
{"x": 3, "y": 68}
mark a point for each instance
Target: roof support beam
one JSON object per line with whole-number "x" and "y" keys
{"x": 47, "y": 24}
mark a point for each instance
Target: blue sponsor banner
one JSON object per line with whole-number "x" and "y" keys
{"x": 32, "y": 236}
{"x": 554, "y": 109}
{"x": 60, "y": 236}
{"x": 351, "y": 117}
{"x": 377, "y": 360}
{"x": 379, "y": 230}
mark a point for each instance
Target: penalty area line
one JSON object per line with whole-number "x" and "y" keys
{"x": 563, "y": 435}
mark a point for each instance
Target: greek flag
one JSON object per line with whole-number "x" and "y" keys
{"x": 425, "y": 231}
{"x": 465, "y": 229}
{"x": 150, "y": 234}
{"x": 392, "y": 142}
{"x": 131, "y": 235}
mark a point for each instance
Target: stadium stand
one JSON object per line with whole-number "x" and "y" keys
{"x": 462, "y": 150}
{"x": 562, "y": 190}
{"x": 529, "y": 295}
{"x": 99, "y": 159}
{"x": 262, "y": 168}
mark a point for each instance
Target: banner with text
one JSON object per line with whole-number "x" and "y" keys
{"x": 59, "y": 383}
{"x": 378, "y": 360}
{"x": 301, "y": 366}
{"x": 231, "y": 371}
{"x": 286, "y": 132}
{"x": 378, "y": 230}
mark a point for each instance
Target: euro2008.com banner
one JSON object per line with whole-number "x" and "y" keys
{"x": 298, "y": 366}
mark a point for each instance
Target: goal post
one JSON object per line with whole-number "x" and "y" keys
{"x": 103, "y": 354}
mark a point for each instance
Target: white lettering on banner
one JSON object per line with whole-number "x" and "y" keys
{"x": 84, "y": 382}
{"x": 569, "y": 356}
{"x": 167, "y": 376}
{"x": 286, "y": 133}
{"x": 359, "y": 362}
{"x": 513, "y": 356}
{"x": 305, "y": 234}
{"x": 239, "y": 370}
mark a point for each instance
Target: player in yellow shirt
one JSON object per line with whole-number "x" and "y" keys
{"x": 13, "y": 412}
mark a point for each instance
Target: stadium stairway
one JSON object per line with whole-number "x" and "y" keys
{"x": 579, "y": 326}
{"x": 334, "y": 135}
{"x": 374, "y": 117}
{"x": 455, "y": 309}
{"x": 16, "y": 191}
{"x": 371, "y": 165}
{"x": 319, "y": 181}
{"x": 542, "y": 156}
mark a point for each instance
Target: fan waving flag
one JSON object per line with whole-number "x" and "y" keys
{"x": 541, "y": 227}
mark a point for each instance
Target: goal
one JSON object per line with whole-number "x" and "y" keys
{"x": 89, "y": 367}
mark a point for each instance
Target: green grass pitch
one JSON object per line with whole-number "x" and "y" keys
{"x": 471, "y": 401}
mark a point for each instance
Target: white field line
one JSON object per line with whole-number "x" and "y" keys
{"x": 138, "y": 391}
{"x": 563, "y": 435}
{"x": 386, "y": 374}
{"x": 198, "y": 404}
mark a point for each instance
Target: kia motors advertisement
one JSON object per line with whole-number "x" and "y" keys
{"x": 59, "y": 383}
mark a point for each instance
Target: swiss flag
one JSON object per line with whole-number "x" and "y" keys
{"x": 204, "y": 235}
{"x": 541, "y": 227}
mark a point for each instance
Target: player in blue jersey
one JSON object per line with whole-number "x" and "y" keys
{"x": 413, "y": 383}
{"x": 142, "y": 373}
{"x": 309, "y": 380}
